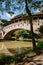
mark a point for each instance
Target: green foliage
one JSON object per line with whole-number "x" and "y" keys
{"x": 41, "y": 29}
{"x": 16, "y": 4}
{"x": 37, "y": 36}
{"x": 27, "y": 34}
{"x": 24, "y": 34}
{"x": 10, "y": 59}
{"x": 29, "y": 1}
{"x": 16, "y": 58}
{"x": 4, "y": 21}
{"x": 25, "y": 18}
{"x": 5, "y": 59}
{"x": 40, "y": 45}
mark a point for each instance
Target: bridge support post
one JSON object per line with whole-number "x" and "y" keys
{"x": 1, "y": 35}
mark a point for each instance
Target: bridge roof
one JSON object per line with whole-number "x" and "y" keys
{"x": 39, "y": 14}
{"x": 20, "y": 17}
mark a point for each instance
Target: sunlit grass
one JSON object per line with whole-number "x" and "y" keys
{"x": 16, "y": 44}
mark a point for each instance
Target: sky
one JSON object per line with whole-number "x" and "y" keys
{"x": 8, "y": 17}
{"x": 17, "y": 12}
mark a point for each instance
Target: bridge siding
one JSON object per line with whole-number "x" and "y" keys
{"x": 18, "y": 23}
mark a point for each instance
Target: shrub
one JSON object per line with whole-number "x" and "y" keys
{"x": 5, "y": 59}
{"x": 25, "y": 34}
{"x": 16, "y": 58}
{"x": 37, "y": 36}
{"x": 40, "y": 45}
{"x": 41, "y": 29}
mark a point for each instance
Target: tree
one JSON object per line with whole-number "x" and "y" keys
{"x": 29, "y": 5}
{"x": 24, "y": 33}
{"x": 30, "y": 20}
{"x": 4, "y": 21}
{"x": 31, "y": 25}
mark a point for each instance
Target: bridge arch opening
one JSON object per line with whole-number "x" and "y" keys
{"x": 8, "y": 35}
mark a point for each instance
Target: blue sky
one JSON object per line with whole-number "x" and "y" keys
{"x": 17, "y": 12}
{"x": 8, "y": 17}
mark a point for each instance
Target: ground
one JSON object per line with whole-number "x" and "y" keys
{"x": 16, "y": 44}
{"x": 35, "y": 60}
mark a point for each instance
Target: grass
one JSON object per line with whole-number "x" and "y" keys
{"x": 16, "y": 44}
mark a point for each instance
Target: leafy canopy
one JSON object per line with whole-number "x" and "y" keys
{"x": 13, "y": 5}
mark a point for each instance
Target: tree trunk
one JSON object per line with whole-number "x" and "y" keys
{"x": 31, "y": 25}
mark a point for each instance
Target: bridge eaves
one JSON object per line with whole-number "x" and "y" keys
{"x": 20, "y": 18}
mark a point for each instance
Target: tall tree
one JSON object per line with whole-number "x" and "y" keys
{"x": 12, "y": 5}
{"x": 31, "y": 25}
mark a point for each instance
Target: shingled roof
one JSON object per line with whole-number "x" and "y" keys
{"x": 20, "y": 17}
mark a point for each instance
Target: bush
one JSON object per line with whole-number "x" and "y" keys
{"x": 5, "y": 59}
{"x": 40, "y": 45}
{"x": 41, "y": 29}
{"x": 25, "y": 34}
{"x": 16, "y": 58}
{"x": 37, "y": 36}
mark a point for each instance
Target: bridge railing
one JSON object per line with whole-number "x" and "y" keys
{"x": 1, "y": 34}
{"x": 14, "y": 25}
{"x": 21, "y": 25}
